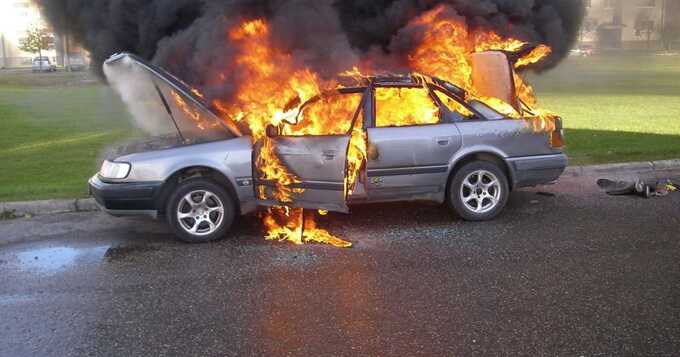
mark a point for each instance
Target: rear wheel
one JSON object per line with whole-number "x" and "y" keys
{"x": 478, "y": 191}
{"x": 199, "y": 210}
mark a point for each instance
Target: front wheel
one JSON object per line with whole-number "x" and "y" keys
{"x": 478, "y": 191}
{"x": 199, "y": 210}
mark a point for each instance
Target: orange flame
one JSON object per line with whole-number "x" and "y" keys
{"x": 274, "y": 78}
{"x": 445, "y": 52}
{"x": 297, "y": 226}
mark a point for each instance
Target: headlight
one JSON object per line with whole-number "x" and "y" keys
{"x": 114, "y": 170}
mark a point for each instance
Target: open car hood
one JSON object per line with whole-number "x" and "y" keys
{"x": 161, "y": 103}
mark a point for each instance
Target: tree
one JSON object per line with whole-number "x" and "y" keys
{"x": 669, "y": 34}
{"x": 644, "y": 25}
{"x": 37, "y": 39}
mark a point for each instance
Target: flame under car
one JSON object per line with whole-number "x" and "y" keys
{"x": 424, "y": 141}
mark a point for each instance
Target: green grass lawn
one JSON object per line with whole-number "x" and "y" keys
{"x": 54, "y": 126}
{"x": 51, "y": 132}
{"x": 616, "y": 109}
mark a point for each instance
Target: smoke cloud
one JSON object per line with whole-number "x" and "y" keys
{"x": 189, "y": 37}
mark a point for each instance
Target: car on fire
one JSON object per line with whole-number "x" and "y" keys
{"x": 467, "y": 155}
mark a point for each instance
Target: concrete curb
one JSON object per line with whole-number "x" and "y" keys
{"x": 34, "y": 208}
{"x": 629, "y": 168}
{"x": 20, "y": 209}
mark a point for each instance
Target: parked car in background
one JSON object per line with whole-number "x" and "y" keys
{"x": 582, "y": 51}
{"x": 468, "y": 156}
{"x": 43, "y": 64}
{"x": 77, "y": 62}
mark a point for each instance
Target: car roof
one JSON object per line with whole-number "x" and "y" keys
{"x": 413, "y": 79}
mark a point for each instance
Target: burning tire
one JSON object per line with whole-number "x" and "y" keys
{"x": 199, "y": 210}
{"x": 478, "y": 191}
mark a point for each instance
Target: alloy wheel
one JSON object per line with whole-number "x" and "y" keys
{"x": 480, "y": 191}
{"x": 200, "y": 212}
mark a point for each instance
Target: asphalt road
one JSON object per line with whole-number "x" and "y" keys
{"x": 574, "y": 274}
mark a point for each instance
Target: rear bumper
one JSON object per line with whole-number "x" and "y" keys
{"x": 536, "y": 170}
{"x": 126, "y": 198}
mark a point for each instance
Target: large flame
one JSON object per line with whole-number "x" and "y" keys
{"x": 445, "y": 52}
{"x": 273, "y": 78}
{"x": 298, "y": 226}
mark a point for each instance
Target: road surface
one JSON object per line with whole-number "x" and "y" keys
{"x": 577, "y": 273}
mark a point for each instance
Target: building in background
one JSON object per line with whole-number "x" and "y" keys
{"x": 16, "y": 17}
{"x": 628, "y": 24}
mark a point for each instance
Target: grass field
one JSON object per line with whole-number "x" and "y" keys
{"x": 616, "y": 109}
{"x": 53, "y": 126}
{"x": 52, "y": 129}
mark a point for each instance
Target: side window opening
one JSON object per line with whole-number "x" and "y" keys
{"x": 325, "y": 115}
{"x": 486, "y": 111}
{"x": 453, "y": 105}
{"x": 404, "y": 106}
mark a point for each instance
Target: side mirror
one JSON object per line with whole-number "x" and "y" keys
{"x": 271, "y": 131}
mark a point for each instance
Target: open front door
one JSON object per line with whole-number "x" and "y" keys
{"x": 313, "y": 151}
{"x": 317, "y": 163}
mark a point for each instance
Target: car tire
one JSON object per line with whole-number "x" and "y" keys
{"x": 478, "y": 191}
{"x": 207, "y": 217}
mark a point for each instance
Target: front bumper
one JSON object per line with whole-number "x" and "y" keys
{"x": 536, "y": 170}
{"x": 125, "y": 198}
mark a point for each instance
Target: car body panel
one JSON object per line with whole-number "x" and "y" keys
{"x": 404, "y": 163}
{"x": 157, "y": 93}
{"x": 506, "y": 139}
{"x": 319, "y": 162}
{"x": 409, "y": 160}
{"x": 534, "y": 170}
{"x": 232, "y": 158}
{"x": 130, "y": 198}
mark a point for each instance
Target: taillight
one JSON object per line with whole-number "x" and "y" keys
{"x": 557, "y": 135}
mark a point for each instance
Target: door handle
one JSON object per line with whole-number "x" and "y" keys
{"x": 329, "y": 154}
{"x": 442, "y": 140}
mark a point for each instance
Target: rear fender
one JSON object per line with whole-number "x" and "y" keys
{"x": 481, "y": 152}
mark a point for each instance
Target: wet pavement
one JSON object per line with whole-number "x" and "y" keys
{"x": 577, "y": 273}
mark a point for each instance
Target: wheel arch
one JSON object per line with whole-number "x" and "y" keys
{"x": 482, "y": 155}
{"x": 190, "y": 172}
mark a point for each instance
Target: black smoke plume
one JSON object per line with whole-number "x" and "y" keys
{"x": 189, "y": 38}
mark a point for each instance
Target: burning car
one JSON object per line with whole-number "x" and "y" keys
{"x": 393, "y": 138}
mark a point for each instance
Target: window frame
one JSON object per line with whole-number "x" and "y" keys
{"x": 433, "y": 98}
{"x": 477, "y": 115}
{"x": 335, "y": 92}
